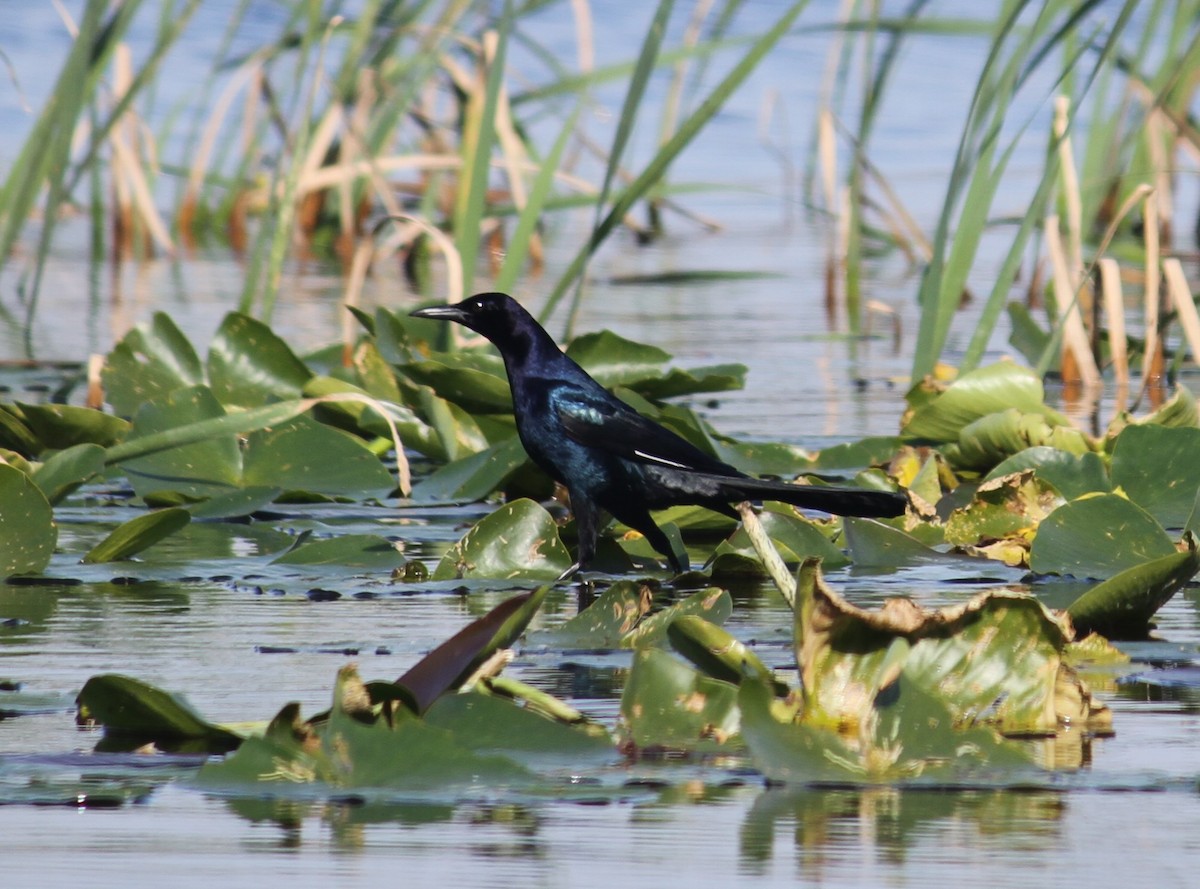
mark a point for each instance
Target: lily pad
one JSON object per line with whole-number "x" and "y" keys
{"x": 1006, "y": 508}
{"x": 518, "y": 540}
{"x": 605, "y": 622}
{"x": 60, "y": 426}
{"x": 668, "y": 705}
{"x": 305, "y": 455}
{"x": 27, "y": 529}
{"x": 132, "y": 709}
{"x": 199, "y": 469}
{"x": 987, "y": 390}
{"x": 366, "y": 551}
{"x": 1157, "y": 468}
{"x": 995, "y": 659}
{"x": 137, "y": 534}
{"x": 65, "y": 471}
{"x": 473, "y": 477}
{"x": 148, "y": 364}
{"x": 1072, "y": 474}
{"x": 1098, "y": 536}
{"x": 249, "y": 365}
{"x": 1122, "y": 606}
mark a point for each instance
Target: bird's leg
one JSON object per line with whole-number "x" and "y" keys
{"x": 641, "y": 521}
{"x": 587, "y": 529}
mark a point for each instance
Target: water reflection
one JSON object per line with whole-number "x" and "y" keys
{"x": 888, "y": 824}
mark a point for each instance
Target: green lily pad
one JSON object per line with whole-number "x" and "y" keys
{"x": 877, "y": 545}
{"x": 368, "y": 551}
{"x": 1157, "y": 468}
{"x": 614, "y": 361}
{"x": 473, "y": 380}
{"x": 135, "y": 535}
{"x": 669, "y": 705}
{"x": 27, "y": 529}
{"x": 987, "y": 390}
{"x": 604, "y": 623}
{"x": 994, "y": 437}
{"x": 474, "y": 477}
{"x": 718, "y": 654}
{"x": 235, "y": 504}
{"x": 796, "y": 538}
{"x": 305, "y": 455}
{"x": 484, "y": 723}
{"x": 518, "y": 540}
{"x": 356, "y": 749}
{"x": 65, "y": 471}
{"x": 1098, "y": 536}
{"x": 132, "y": 709}
{"x": 148, "y": 364}
{"x": 250, "y": 366}
{"x": 59, "y": 426}
{"x": 1122, "y": 606}
{"x": 912, "y": 735}
{"x": 1072, "y": 474}
{"x": 715, "y": 605}
{"x": 197, "y": 470}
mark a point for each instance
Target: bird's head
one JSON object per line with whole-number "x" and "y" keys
{"x": 496, "y": 316}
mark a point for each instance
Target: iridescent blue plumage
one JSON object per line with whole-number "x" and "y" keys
{"x": 608, "y": 456}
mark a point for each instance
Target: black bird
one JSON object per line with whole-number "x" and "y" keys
{"x": 607, "y": 455}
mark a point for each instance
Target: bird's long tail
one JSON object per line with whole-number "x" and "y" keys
{"x": 827, "y": 498}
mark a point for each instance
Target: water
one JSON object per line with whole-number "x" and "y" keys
{"x": 1131, "y": 818}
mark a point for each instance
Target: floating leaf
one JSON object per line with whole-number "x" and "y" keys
{"x": 796, "y": 538}
{"x": 605, "y": 622}
{"x": 250, "y": 366}
{"x": 1072, "y": 474}
{"x": 196, "y": 469}
{"x": 1098, "y": 536}
{"x": 992, "y": 438}
{"x": 129, "y": 708}
{"x": 27, "y": 530}
{"x": 60, "y": 426}
{"x": 67, "y": 470}
{"x": 1009, "y": 507}
{"x": 474, "y": 477}
{"x": 474, "y": 380}
{"x": 235, "y": 504}
{"x": 996, "y": 659}
{"x": 135, "y": 535}
{"x": 713, "y": 604}
{"x": 668, "y": 705}
{"x": 990, "y": 389}
{"x": 718, "y": 654}
{"x": 912, "y": 735}
{"x": 484, "y": 723}
{"x": 305, "y": 455}
{"x": 1122, "y": 606}
{"x": 878, "y": 545}
{"x": 518, "y": 540}
{"x": 615, "y": 361}
{"x": 1158, "y": 469}
{"x": 148, "y": 364}
{"x": 348, "y": 550}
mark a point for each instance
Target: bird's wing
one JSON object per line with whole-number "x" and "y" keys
{"x": 610, "y": 425}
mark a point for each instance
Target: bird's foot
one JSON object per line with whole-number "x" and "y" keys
{"x": 569, "y": 573}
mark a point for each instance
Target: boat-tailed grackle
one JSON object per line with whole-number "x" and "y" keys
{"x": 607, "y": 455}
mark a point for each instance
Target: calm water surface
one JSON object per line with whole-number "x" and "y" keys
{"x": 1131, "y": 818}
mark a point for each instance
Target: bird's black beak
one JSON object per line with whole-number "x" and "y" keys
{"x": 442, "y": 313}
